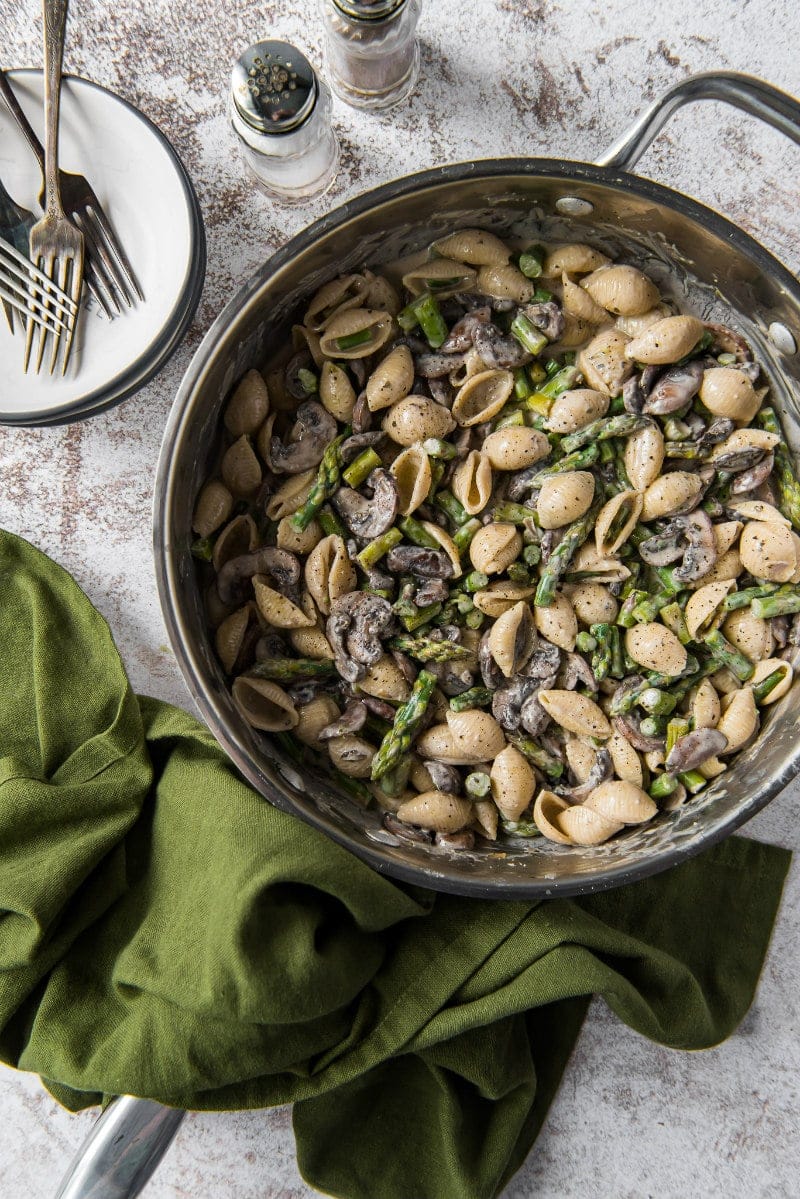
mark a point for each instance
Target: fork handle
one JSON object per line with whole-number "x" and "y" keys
{"x": 55, "y": 24}
{"x": 15, "y": 108}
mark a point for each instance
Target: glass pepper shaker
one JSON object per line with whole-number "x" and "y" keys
{"x": 372, "y": 50}
{"x": 281, "y": 112}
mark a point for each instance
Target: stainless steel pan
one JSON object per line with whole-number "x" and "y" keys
{"x": 697, "y": 254}
{"x": 723, "y": 272}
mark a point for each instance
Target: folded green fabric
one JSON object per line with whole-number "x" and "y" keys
{"x": 164, "y": 932}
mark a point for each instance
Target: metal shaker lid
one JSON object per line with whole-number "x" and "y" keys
{"x": 274, "y": 87}
{"x": 368, "y": 10}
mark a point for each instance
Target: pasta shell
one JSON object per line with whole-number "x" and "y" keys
{"x": 297, "y": 541}
{"x": 334, "y": 298}
{"x": 727, "y": 391}
{"x": 557, "y": 622}
{"x": 592, "y": 603}
{"x": 511, "y": 639}
{"x": 277, "y": 610}
{"x": 472, "y": 482}
{"x": 413, "y": 476}
{"x": 329, "y": 573}
{"x": 581, "y": 758}
{"x": 727, "y": 566}
{"x": 240, "y": 536}
{"x": 704, "y": 607}
{"x": 573, "y": 258}
{"x": 644, "y": 456}
{"x": 264, "y": 705}
{"x": 670, "y": 494}
{"x": 564, "y": 498}
{"x": 513, "y": 783}
{"x": 705, "y": 706}
{"x": 515, "y": 447}
{"x": 436, "y": 810}
{"x": 750, "y": 634}
{"x": 472, "y": 365}
{"x": 725, "y": 534}
{"x": 352, "y": 755}
{"x": 385, "y": 680}
{"x": 486, "y": 818}
{"x": 476, "y": 734}
{"x": 291, "y": 495}
{"x": 627, "y": 763}
{"x": 240, "y": 469}
{"x": 634, "y": 325}
{"x": 767, "y": 551}
{"x": 247, "y": 408}
{"x": 576, "y": 713}
{"x": 616, "y": 521}
{"x": 482, "y": 397}
{"x": 587, "y": 561}
{"x": 579, "y": 303}
{"x": 505, "y": 282}
{"x": 416, "y": 418}
{"x": 744, "y": 439}
{"x": 585, "y": 827}
{"x": 354, "y": 321}
{"x": 446, "y": 542}
{"x": 311, "y": 643}
{"x": 546, "y": 816}
{"x": 739, "y": 719}
{"x": 756, "y": 510}
{"x": 230, "y": 635}
{"x": 213, "y": 507}
{"x": 313, "y": 717}
{"x": 621, "y": 289}
{"x": 656, "y": 647}
{"x": 621, "y": 802}
{"x": 305, "y": 338}
{"x": 380, "y": 294}
{"x": 336, "y": 392}
{"x": 666, "y": 341}
{"x": 440, "y": 276}
{"x": 495, "y": 547}
{"x": 391, "y": 380}
{"x": 764, "y": 669}
{"x": 478, "y": 247}
{"x": 604, "y": 364}
{"x": 497, "y": 598}
{"x": 575, "y": 409}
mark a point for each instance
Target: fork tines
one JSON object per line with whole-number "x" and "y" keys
{"x": 109, "y": 275}
{"x": 22, "y": 288}
{"x": 56, "y": 249}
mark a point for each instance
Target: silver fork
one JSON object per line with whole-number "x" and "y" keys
{"x": 108, "y": 272}
{"x": 56, "y": 245}
{"x": 22, "y": 290}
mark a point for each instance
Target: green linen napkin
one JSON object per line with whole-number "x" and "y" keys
{"x": 164, "y": 932}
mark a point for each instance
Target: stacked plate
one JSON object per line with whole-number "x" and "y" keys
{"x": 149, "y": 199}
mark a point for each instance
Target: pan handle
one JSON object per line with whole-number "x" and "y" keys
{"x": 752, "y": 95}
{"x": 122, "y": 1150}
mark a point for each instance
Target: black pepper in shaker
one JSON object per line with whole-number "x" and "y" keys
{"x": 372, "y": 51}
{"x": 281, "y": 112}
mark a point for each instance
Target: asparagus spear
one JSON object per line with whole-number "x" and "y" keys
{"x": 600, "y": 430}
{"x": 538, "y": 756}
{"x": 375, "y": 550}
{"x": 788, "y": 486}
{"x": 662, "y": 786}
{"x": 289, "y": 670}
{"x": 767, "y": 685}
{"x": 360, "y": 468}
{"x": 743, "y": 599}
{"x": 478, "y": 784}
{"x": 425, "y": 649}
{"x": 581, "y": 460}
{"x": 476, "y": 697}
{"x": 784, "y": 601}
{"x": 407, "y": 721}
{"x": 327, "y": 481}
{"x": 526, "y": 333}
{"x": 452, "y": 507}
{"x": 725, "y": 654}
{"x": 417, "y": 534}
{"x": 562, "y": 555}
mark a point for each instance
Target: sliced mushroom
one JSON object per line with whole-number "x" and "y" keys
{"x": 633, "y": 396}
{"x": 628, "y": 727}
{"x": 352, "y": 720}
{"x": 696, "y": 747}
{"x": 546, "y": 317}
{"x": 281, "y": 565}
{"x": 351, "y": 447}
{"x": 424, "y": 563}
{"x": 462, "y": 334}
{"x": 749, "y": 480}
{"x": 311, "y": 433}
{"x": 436, "y": 366}
{"x": 675, "y": 387}
{"x": 355, "y": 627}
{"x": 720, "y": 428}
{"x": 369, "y": 516}
{"x": 601, "y": 770}
{"x": 728, "y": 341}
{"x": 577, "y": 671}
{"x": 499, "y": 351}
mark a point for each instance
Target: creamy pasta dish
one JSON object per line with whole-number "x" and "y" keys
{"x": 505, "y": 542}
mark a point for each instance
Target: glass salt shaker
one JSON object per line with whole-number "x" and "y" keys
{"x": 281, "y": 112}
{"x": 372, "y": 50}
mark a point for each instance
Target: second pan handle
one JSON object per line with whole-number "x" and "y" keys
{"x": 746, "y": 92}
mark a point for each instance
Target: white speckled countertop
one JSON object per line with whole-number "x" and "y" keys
{"x": 515, "y": 76}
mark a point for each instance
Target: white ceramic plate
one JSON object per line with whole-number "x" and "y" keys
{"x": 146, "y": 194}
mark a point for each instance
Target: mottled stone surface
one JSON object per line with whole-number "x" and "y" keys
{"x": 500, "y": 77}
